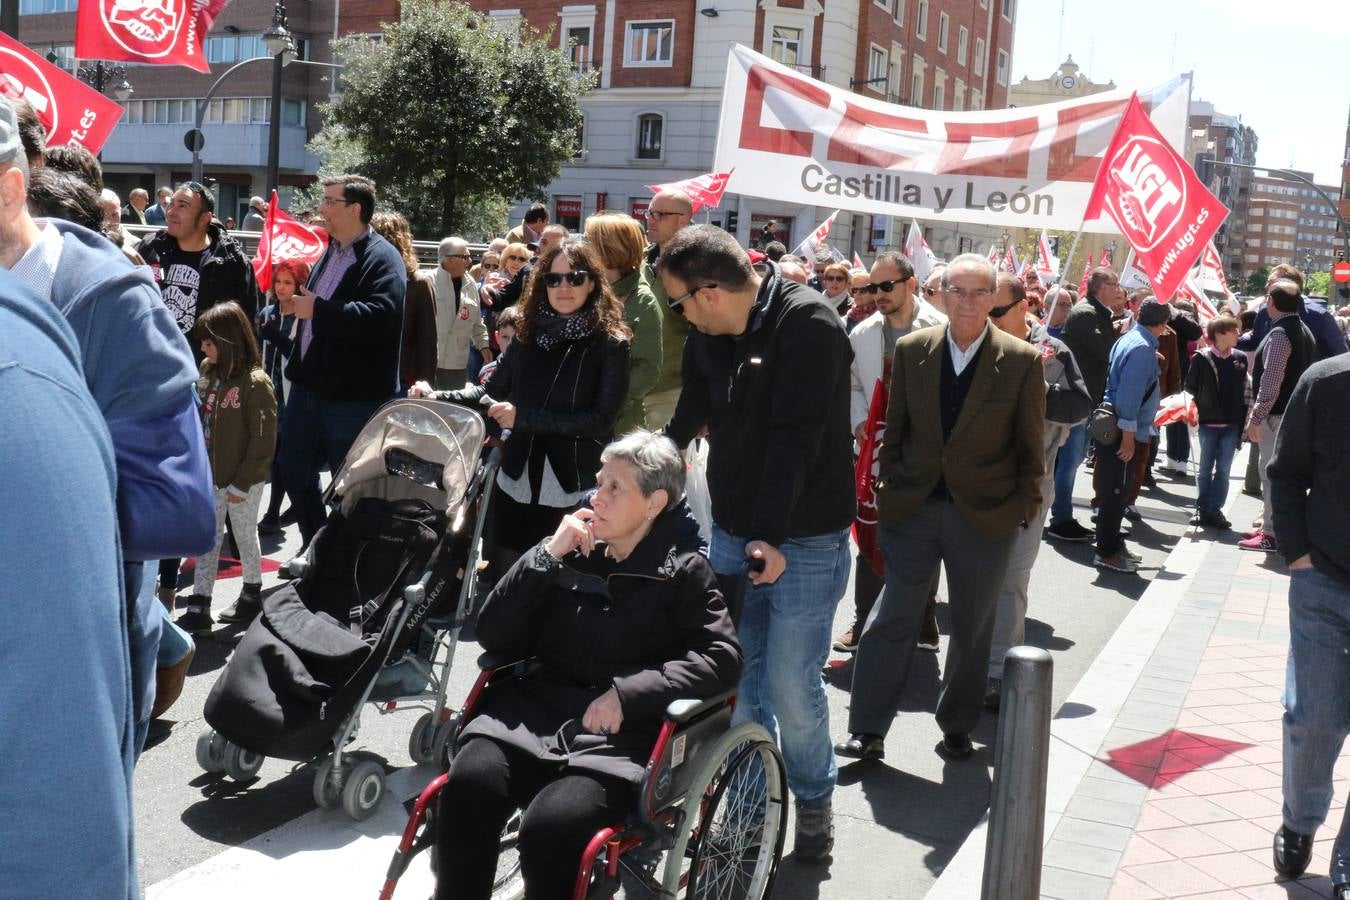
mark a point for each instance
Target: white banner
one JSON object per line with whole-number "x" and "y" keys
{"x": 798, "y": 140}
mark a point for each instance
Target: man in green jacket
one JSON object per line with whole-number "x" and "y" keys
{"x": 669, "y": 211}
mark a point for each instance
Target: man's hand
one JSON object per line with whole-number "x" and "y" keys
{"x": 1303, "y": 562}
{"x": 504, "y": 414}
{"x": 775, "y": 564}
{"x": 419, "y": 389}
{"x": 1126, "y": 451}
{"x": 304, "y": 303}
{"x": 1254, "y": 433}
{"x": 604, "y": 715}
{"x": 574, "y": 533}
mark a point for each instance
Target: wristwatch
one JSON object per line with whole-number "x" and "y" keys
{"x": 543, "y": 559}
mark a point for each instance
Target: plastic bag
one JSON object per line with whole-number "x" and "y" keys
{"x": 696, "y": 487}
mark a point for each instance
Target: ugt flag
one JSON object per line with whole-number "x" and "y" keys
{"x": 71, "y": 111}
{"x": 704, "y": 190}
{"x": 1165, "y": 212}
{"x": 283, "y": 239}
{"x": 152, "y": 32}
{"x": 865, "y": 475}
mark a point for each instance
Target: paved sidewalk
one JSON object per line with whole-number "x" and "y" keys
{"x": 1165, "y": 767}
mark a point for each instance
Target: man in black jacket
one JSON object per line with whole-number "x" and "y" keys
{"x": 766, "y": 371}
{"x": 345, "y": 361}
{"x": 1311, "y": 499}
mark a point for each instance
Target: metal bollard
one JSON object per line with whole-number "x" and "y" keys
{"x": 1013, "y": 847}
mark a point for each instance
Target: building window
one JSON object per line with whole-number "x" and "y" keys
{"x": 900, "y": 13}
{"x": 293, "y": 113}
{"x": 785, "y": 45}
{"x": 979, "y": 56}
{"x": 1001, "y": 71}
{"x": 944, "y": 26}
{"x": 1008, "y": 9}
{"x": 877, "y": 65}
{"x": 650, "y": 133}
{"x": 38, "y": 7}
{"x": 893, "y": 84}
{"x": 962, "y": 45}
{"x": 939, "y": 94}
{"x": 959, "y": 95}
{"x": 921, "y": 19}
{"x": 65, "y": 57}
{"x": 885, "y": 4}
{"x": 578, "y": 44}
{"x": 651, "y": 43}
{"x": 916, "y": 88}
{"x": 976, "y": 99}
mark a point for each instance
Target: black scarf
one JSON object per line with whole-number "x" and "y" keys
{"x": 551, "y": 329}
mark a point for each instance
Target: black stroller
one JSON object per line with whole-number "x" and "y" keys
{"x": 370, "y": 617}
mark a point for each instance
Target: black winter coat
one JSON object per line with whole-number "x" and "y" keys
{"x": 227, "y": 273}
{"x": 654, "y": 627}
{"x": 567, "y": 400}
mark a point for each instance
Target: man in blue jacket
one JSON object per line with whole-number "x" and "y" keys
{"x": 65, "y": 804}
{"x": 345, "y": 361}
{"x": 1132, "y": 389}
{"x": 1322, "y": 324}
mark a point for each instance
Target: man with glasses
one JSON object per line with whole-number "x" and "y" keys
{"x": 196, "y": 261}
{"x": 458, "y": 321}
{"x": 960, "y": 468}
{"x": 932, "y": 288}
{"x": 899, "y": 312}
{"x": 1089, "y": 335}
{"x": 670, "y": 210}
{"x": 766, "y": 373}
{"x": 345, "y": 361}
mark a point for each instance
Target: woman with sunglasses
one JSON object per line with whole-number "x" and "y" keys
{"x": 835, "y": 285}
{"x": 556, "y": 393}
{"x": 864, "y": 303}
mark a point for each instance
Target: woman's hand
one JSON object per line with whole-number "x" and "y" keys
{"x": 504, "y": 414}
{"x": 574, "y": 533}
{"x": 604, "y": 715}
{"x": 419, "y": 389}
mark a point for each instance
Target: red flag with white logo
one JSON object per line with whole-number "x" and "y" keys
{"x": 1047, "y": 266}
{"x": 283, "y": 238}
{"x": 865, "y": 476}
{"x": 1154, "y": 197}
{"x": 1190, "y": 290}
{"x": 71, "y": 111}
{"x": 150, "y": 32}
{"x": 703, "y": 190}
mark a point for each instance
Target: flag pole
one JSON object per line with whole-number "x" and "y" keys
{"x": 1064, "y": 271}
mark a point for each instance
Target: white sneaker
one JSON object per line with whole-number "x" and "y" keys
{"x": 1175, "y": 465}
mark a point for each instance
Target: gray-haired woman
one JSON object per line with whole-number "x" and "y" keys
{"x": 622, "y": 614}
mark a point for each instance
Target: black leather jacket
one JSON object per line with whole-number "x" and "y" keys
{"x": 567, "y": 400}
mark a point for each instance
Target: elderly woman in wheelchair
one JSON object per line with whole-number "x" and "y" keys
{"x": 617, "y": 615}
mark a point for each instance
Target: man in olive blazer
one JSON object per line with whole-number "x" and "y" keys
{"x": 959, "y": 473}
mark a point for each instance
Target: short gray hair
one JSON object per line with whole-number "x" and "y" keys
{"x": 971, "y": 261}
{"x": 656, "y": 460}
{"x": 452, "y": 246}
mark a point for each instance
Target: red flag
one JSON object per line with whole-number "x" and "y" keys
{"x": 704, "y": 190}
{"x": 857, "y": 261}
{"x": 1087, "y": 271}
{"x": 282, "y": 239}
{"x": 151, "y": 32}
{"x": 1106, "y": 257}
{"x": 70, "y": 110}
{"x": 865, "y": 475}
{"x": 1154, "y": 197}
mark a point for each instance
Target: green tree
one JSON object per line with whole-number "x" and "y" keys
{"x": 1317, "y": 284}
{"x": 1256, "y": 282}
{"x": 452, "y": 117}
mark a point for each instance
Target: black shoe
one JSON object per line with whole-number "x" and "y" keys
{"x": 1215, "y": 519}
{"x": 288, "y": 517}
{"x": 862, "y": 746}
{"x": 1292, "y": 852}
{"x": 1069, "y": 530}
{"x": 269, "y": 524}
{"x": 1341, "y": 891}
{"x": 197, "y": 620}
{"x": 929, "y": 634}
{"x": 993, "y": 694}
{"x": 245, "y": 608}
{"x": 814, "y": 838}
{"x": 955, "y": 747}
{"x": 1132, "y": 513}
{"x": 1196, "y": 519}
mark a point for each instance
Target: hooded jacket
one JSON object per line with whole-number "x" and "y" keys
{"x": 226, "y": 274}
{"x": 654, "y": 627}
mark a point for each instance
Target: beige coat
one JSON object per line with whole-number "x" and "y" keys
{"x": 456, "y": 327}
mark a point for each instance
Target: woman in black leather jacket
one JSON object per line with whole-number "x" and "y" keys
{"x": 557, "y": 392}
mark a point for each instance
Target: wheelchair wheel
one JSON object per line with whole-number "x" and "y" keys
{"x": 729, "y": 843}
{"x": 509, "y": 884}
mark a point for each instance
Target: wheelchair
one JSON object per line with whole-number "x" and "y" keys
{"x": 711, "y": 818}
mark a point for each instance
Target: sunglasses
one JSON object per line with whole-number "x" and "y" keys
{"x": 575, "y": 278}
{"x": 885, "y": 287}
{"x": 835, "y": 278}
{"x": 517, "y": 259}
{"x": 999, "y": 312}
{"x": 491, "y": 266}
{"x": 676, "y": 303}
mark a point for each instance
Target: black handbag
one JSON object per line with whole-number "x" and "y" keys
{"x": 1103, "y": 424}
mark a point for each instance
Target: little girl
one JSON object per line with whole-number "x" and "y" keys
{"x": 239, "y": 418}
{"x": 276, "y": 326}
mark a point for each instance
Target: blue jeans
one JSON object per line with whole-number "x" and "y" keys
{"x": 1217, "y": 446}
{"x": 1069, "y": 458}
{"x": 1317, "y": 705}
{"x": 316, "y": 431}
{"x": 785, "y": 640}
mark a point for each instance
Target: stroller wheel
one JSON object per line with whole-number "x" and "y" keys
{"x": 242, "y": 765}
{"x": 211, "y": 751}
{"x": 444, "y": 752}
{"x": 364, "y": 790}
{"x": 422, "y": 742}
{"x": 326, "y": 794}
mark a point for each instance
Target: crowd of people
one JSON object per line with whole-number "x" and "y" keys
{"x": 599, "y": 358}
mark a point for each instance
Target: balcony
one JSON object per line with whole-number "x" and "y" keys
{"x": 233, "y": 146}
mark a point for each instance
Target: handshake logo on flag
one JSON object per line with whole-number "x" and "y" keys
{"x": 151, "y": 24}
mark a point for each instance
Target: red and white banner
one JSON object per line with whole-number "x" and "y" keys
{"x": 809, "y": 248}
{"x": 1190, "y": 289}
{"x": 799, "y": 140}
{"x": 1010, "y": 262}
{"x": 857, "y": 261}
{"x": 1047, "y": 266}
{"x": 921, "y": 256}
{"x": 1211, "y": 278}
{"x": 283, "y": 239}
{"x": 865, "y": 476}
{"x": 151, "y": 32}
{"x": 70, "y": 110}
{"x": 704, "y": 190}
{"x": 1164, "y": 211}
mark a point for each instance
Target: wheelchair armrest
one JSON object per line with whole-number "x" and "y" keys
{"x": 681, "y": 711}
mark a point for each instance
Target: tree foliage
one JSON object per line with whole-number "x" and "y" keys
{"x": 453, "y": 118}
{"x": 1256, "y": 282}
{"x": 1317, "y": 284}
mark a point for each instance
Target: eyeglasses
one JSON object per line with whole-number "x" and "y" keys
{"x": 491, "y": 266}
{"x": 456, "y": 256}
{"x": 329, "y": 201}
{"x": 676, "y": 302}
{"x": 859, "y": 290}
{"x": 576, "y": 278}
{"x": 661, "y": 214}
{"x": 884, "y": 286}
{"x": 963, "y": 295}
{"x": 931, "y": 291}
{"x": 517, "y": 259}
{"x": 835, "y": 278}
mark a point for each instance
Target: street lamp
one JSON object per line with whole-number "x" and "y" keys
{"x": 277, "y": 37}
{"x": 1111, "y": 251}
{"x": 99, "y": 75}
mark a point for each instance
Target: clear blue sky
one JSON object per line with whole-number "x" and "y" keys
{"x": 1283, "y": 67}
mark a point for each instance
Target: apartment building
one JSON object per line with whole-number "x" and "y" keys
{"x": 1288, "y": 222}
